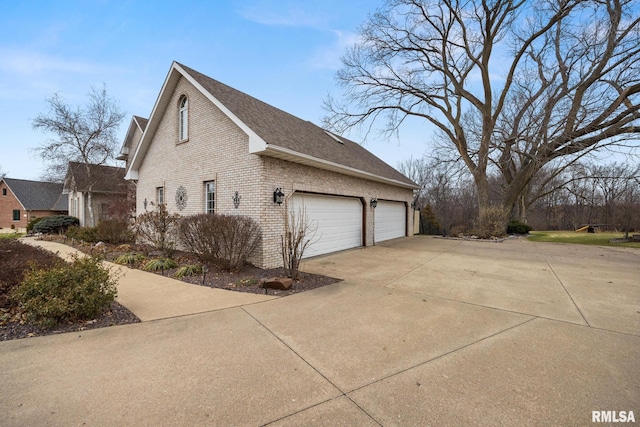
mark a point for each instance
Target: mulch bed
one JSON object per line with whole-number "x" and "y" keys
{"x": 245, "y": 280}
{"x": 116, "y": 315}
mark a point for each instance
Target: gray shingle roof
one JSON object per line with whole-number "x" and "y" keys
{"x": 105, "y": 179}
{"x": 142, "y": 122}
{"x": 279, "y": 128}
{"x": 38, "y": 195}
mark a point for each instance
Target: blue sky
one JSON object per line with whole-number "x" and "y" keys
{"x": 284, "y": 52}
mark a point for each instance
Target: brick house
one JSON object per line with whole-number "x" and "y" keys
{"x": 210, "y": 148}
{"x": 107, "y": 187}
{"x": 22, "y": 201}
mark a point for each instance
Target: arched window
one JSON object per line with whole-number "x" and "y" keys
{"x": 183, "y": 122}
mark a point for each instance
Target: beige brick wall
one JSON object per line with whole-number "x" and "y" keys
{"x": 218, "y": 150}
{"x": 292, "y": 177}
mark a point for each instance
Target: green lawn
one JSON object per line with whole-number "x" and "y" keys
{"x": 11, "y": 235}
{"x": 583, "y": 238}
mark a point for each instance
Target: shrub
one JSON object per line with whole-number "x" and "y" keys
{"x": 188, "y": 270}
{"x": 158, "y": 228}
{"x": 16, "y": 258}
{"x": 81, "y": 290}
{"x": 238, "y": 238}
{"x": 492, "y": 222}
{"x": 32, "y": 223}
{"x": 199, "y": 234}
{"x": 298, "y": 233}
{"x": 114, "y": 230}
{"x": 161, "y": 264}
{"x": 83, "y": 234}
{"x": 517, "y": 227}
{"x": 230, "y": 239}
{"x": 55, "y": 224}
{"x": 129, "y": 259}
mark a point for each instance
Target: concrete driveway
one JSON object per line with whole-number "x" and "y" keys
{"x": 422, "y": 331}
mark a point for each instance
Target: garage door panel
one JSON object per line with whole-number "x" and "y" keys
{"x": 390, "y": 220}
{"x": 337, "y": 222}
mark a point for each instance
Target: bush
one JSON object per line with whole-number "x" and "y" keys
{"x": 114, "y": 230}
{"x": 227, "y": 238}
{"x": 16, "y": 258}
{"x": 492, "y": 222}
{"x": 298, "y": 235}
{"x": 158, "y": 228}
{"x": 517, "y": 227}
{"x": 81, "y": 290}
{"x": 161, "y": 264}
{"x": 55, "y": 224}
{"x": 188, "y": 270}
{"x": 32, "y": 223}
{"x": 83, "y": 234}
{"x": 239, "y": 238}
{"x": 130, "y": 258}
{"x": 199, "y": 234}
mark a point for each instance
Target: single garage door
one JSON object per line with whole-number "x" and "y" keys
{"x": 338, "y": 222}
{"x": 390, "y": 220}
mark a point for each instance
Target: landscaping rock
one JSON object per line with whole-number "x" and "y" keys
{"x": 281, "y": 283}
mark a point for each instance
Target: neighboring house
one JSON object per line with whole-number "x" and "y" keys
{"x": 94, "y": 188}
{"x": 131, "y": 140}
{"x": 210, "y": 148}
{"x": 22, "y": 201}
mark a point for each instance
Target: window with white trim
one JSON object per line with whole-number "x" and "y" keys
{"x": 183, "y": 120}
{"x": 210, "y": 196}
{"x": 16, "y": 214}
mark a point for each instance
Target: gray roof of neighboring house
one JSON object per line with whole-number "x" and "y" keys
{"x": 100, "y": 178}
{"x": 38, "y": 195}
{"x": 142, "y": 122}
{"x": 284, "y": 130}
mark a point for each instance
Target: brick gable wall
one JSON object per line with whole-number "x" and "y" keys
{"x": 8, "y": 204}
{"x": 218, "y": 150}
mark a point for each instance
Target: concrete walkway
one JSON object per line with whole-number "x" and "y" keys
{"x": 422, "y": 331}
{"x": 151, "y": 296}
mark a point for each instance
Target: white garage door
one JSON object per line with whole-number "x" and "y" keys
{"x": 338, "y": 222}
{"x": 390, "y": 220}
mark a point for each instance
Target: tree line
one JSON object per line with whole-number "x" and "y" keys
{"x": 582, "y": 193}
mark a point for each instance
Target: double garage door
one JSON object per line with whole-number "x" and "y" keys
{"x": 338, "y": 221}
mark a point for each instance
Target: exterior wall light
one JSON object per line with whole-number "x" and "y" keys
{"x": 236, "y": 200}
{"x": 373, "y": 203}
{"x": 145, "y": 203}
{"x": 278, "y": 196}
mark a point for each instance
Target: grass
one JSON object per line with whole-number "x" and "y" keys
{"x": 583, "y": 238}
{"x": 11, "y": 235}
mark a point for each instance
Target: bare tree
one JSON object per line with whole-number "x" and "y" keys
{"x": 417, "y": 170}
{"x": 2, "y": 173}
{"x": 81, "y": 134}
{"x": 299, "y": 233}
{"x": 511, "y": 84}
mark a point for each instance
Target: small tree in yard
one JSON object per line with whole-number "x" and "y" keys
{"x": 158, "y": 228}
{"x": 86, "y": 134}
{"x": 298, "y": 235}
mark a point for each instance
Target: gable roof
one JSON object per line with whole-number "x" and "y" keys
{"x": 100, "y": 178}
{"x": 38, "y": 195}
{"x": 137, "y": 122}
{"x": 272, "y": 132}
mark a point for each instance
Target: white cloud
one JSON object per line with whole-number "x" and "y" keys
{"x": 30, "y": 62}
{"x": 279, "y": 13}
{"x": 328, "y": 57}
